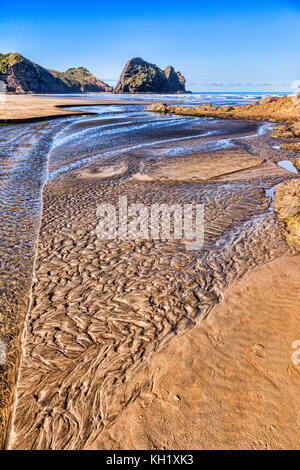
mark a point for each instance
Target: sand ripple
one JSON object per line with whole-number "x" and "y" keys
{"x": 101, "y": 309}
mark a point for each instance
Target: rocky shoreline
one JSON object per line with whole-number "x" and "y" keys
{"x": 285, "y": 110}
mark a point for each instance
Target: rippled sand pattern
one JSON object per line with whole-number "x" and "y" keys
{"x": 101, "y": 309}
{"x": 23, "y": 166}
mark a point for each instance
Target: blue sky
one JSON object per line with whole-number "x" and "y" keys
{"x": 218, "y": 45}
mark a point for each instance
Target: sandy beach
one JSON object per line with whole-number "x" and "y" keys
{"x": 236, "y": 387}
{"x": 17, "y": 109}
{"x": 143, "y": 344}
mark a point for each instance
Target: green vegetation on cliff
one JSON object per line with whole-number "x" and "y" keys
{"x": 142, "y": 73}
{"x": 80, "y": 78}
{"x": 9, "y": 59}
{"x": 74, "y": 77}
{"x": 24, "y": 76}
{"x": 139, "y": 76}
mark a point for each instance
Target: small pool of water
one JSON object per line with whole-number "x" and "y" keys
{"x": 287, "y": 165}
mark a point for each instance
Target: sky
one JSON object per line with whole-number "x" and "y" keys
{"x": 218, "y": 45}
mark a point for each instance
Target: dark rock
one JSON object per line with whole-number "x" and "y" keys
{"x": 139, "y": 76}
{"x": 175, "y": 82}
{"x": 21, "y": 75}
{"x": 81, "y": 80}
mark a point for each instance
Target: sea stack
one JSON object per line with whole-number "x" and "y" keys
{"x": 21, "y": 75}
{"x": 139, "y": 76}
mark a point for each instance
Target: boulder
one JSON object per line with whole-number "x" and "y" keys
{"x": 296, "y": 163}
{"x": 287, "y": 208}
{"x": 158, "y": 108}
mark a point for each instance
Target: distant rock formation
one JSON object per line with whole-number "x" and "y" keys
{"x": 139, "y": 76}
{"x": 81, "y": 80}
{"x": 21, "y": 75}
{"x": 175, "y": 81}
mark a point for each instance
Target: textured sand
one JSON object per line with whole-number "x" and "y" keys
{"x": 101, "y": 310}
{"x": 230, "y": 383}
{"x": 203, "y": 166}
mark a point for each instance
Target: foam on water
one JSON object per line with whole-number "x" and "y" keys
{"x": 193, "y": 99}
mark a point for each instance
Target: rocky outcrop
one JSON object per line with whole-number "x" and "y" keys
{"x": 81, "y": 80}
{"x": 139, "y": 76}
{"x": 296, "y": 164}
{"x": 284, "y": 109}
{"x": 287, "y": 208}
{"x": 175, "y": 82}
{"x": 21, "y": 75}
{"x": 203, "y": 110}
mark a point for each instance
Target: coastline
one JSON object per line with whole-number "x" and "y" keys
{"x": 18, "y": 109}
{"x": 284, "y": 109}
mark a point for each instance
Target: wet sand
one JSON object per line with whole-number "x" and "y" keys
{"x": 197, "y": 167}
{"x": 103, "y": 311}
{"x": 27, "y": 108}
{"x": 230, "y": 383}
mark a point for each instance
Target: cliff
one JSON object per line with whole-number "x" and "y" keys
{"x": 21, "y": 75}
{"x": 175, "y": 82}
{"x": 139, "y": 76}
{"x": 81, "y": 80}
